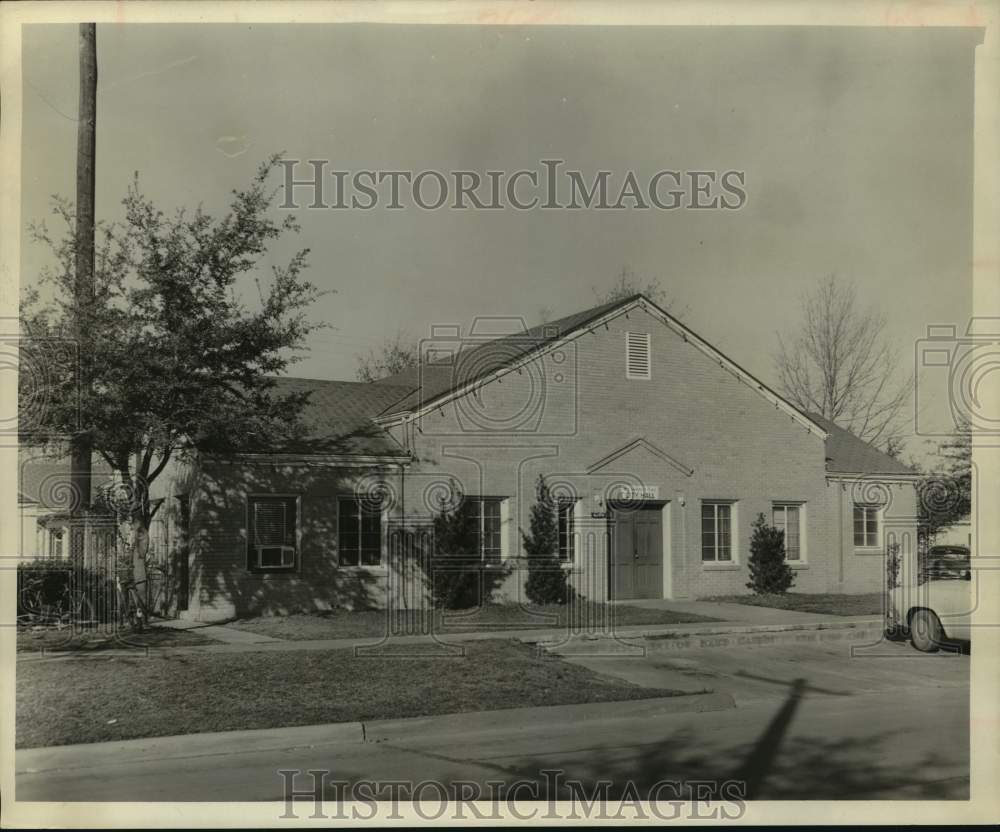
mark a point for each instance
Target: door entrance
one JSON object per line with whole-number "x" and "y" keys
{"x": 637, "y": 553}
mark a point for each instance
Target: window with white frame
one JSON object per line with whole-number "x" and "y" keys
{"x": 565, "y": 509}
{"x": 638, "y": 361}
{"x": 717, "y": 531}
{"x": 56, "y": 543}
{"x": 359, "y": 533}
{"x": 488, "y": 512}
{"x": 789, "y": 518}
{"x": 866, "y": 525}
{"x": 273, "y": 533}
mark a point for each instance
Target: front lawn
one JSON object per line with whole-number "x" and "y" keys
{"x": 55, "y": 639}
{"x": 869, "y": 603}
{"x": 114, "y": 698}
{"x": 374, "y": 623}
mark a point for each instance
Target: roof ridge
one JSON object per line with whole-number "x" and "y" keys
{"x": 576, "y": 320}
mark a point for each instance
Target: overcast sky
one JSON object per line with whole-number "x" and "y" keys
{"x": 857, "y": 147}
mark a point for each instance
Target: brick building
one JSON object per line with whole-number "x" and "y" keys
{"x": 660, "y": 450}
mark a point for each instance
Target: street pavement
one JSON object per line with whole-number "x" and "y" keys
{"x": 811, "y": 721}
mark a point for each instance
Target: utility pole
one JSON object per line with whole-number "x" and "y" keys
{"x": 86, "y": 151}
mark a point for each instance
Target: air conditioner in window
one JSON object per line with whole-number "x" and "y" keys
{"x": 275, "y": 557}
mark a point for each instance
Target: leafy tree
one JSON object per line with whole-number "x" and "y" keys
{"x": 769, "y": 573}
{"x": 546, "y": 582}
{"x": 396, "y": 354}
{"x": 173, "y": 360}
{"x": 840, "y": 364}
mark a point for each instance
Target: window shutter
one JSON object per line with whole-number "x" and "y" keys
{"x": 637, "y": 355}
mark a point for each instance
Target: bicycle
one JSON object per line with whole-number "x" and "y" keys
{"x": 35, "y": 606}
{"x": 130, "y": 604}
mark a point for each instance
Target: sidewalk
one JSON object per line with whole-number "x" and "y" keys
{"x": 863, "y": 746}
{"x": 739, "y": 619}
{"x": 218, "y": 632}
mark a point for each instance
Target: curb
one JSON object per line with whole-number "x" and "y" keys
{"x": 128, "y": 753}
{"x": 709, "y": 637}
{"x": 515, "y": 720}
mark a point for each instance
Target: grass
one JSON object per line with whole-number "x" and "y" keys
{"x": 869, "y": 603}
{"x": 112, "y": 698}
{"x": 54, "y": 639}
{"x": 373, "y": 623}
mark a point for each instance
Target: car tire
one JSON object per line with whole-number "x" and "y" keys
{"x": 926, "y": 633}
{"x": 896, "y": 633}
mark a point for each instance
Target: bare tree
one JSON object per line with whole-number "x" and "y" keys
{"x": 545, "y": 314}
{"x": 396, "y": 354}
{"x": 841, "y": 365}
{"x": 628, "y": 283}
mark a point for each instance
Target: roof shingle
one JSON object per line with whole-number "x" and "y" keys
{"x": 437, "y": 378}
{"x": 44, "y": 478}
{"x": 849, "y": 454}
{"x": 338, "y": 416}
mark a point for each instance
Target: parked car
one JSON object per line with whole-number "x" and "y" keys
{"x": 938, "y": 608}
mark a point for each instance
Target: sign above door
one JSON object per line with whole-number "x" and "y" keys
{"x": 637, "y": 492}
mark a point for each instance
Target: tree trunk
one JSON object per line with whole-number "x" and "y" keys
{"x": 140, "y": 548}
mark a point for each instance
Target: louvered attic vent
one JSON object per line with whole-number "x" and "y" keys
{"x": 637, "y": 355}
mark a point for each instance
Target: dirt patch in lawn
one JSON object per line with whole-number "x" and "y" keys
{"x": 374, "y": 623}
{"x": 97, "y": 699}
{"x": 870, "y": 603}
{"x": 52, "y": 639}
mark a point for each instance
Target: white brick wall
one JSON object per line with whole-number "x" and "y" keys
{"x": 561, "y": 418}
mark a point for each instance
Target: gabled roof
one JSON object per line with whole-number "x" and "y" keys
{"x": 437, "y": 381}
{"x": 438, "y": 378}
{"x": 338, "y": 416}
{"x": 849, "y": 454}
{"x": 341, "y": 416}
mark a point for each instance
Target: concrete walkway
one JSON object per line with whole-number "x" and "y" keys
{"x": 216, "y": 632}
{"x": 232, "y": 640}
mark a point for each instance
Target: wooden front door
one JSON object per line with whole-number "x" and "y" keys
{"x": 637, "y": 554}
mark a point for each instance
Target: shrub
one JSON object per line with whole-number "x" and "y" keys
{"x": 546, "y": 582}
{"x": 892, "y": 565}
{"x": 52, "y": 590}
{"x": 459, "y": 578}
{"x": 769, "y": 573}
